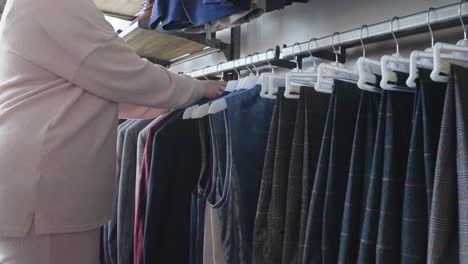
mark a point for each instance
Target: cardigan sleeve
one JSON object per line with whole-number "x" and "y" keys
{"x": 74, "y": 42}
{"x": 116, "y": 73}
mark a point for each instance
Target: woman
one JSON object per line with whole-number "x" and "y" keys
{"x": 65, "y": 77}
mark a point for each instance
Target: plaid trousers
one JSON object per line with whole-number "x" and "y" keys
{"x": 310, "y": 119}
{"x": 359, "y": 176}
{"x": 327, "y": 201}
{"x": 448, "y": 224}
{"x": 271, "y": 213}
{"x": 429, "y": 103}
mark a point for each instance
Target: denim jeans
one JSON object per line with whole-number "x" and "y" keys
{"x": 359, "y": 176}
{"x": 247, "y": 120}
{"x": 271, "y": 212}
{"x": 429, "y": 103}
{"x": 199, "y": 14}
{"x": 327, "y": 201}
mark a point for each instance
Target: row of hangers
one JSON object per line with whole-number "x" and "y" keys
{"x": 364, "y": 73}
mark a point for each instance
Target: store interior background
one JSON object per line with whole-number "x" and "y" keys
{"x": 315, "y": 19}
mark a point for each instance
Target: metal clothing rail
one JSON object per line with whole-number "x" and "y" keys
{"x": 440, "y": 18}
{"x": 271, "y": 57}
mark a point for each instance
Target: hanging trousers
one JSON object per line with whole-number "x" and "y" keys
{"x": 246, "y": 145}
{"x": 260, "y": 250}
{"x": 368, "y": 238}
{"x": 328, "y": 196}
{"x": 448, "y": 224}
{"x": 310, "y": 119}
{"x": 400, "y": 108}
{"x": 175, "y": 168}
{"x": 270, "y": 218}
{"x": 69, "y": 248}
{"x": 429, "y": 103}
{"x": 381, "y": 230}
{"x": 199, "y": 195}
{"x": 213, "y": 252}
{"x": 359, "y": 176}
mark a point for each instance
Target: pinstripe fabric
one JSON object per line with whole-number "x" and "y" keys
{"x": 260, "y": 250}
{"x": 293, "y": 194}
{"x": 430, "y": 97}
{"x": 346, "y": 110}
{"x": 359, "y": 176}
{"x": 69, "y": 248}
{"x": 310, "y": 119}
{"x": 274, "y": 213}
{"x": 312, "y": 248}
{"x": 399, "y": 117}
{"x": 448, "y": 225}
{"x": 327, "y": 201}
{"x": 316, "y": 110}
{"x": 367, "y": 245}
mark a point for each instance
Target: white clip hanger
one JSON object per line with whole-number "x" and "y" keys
{"x": 264, "y": 79}
{"x": 221, "y": 104}
{"x": 188, "y": 113}
{"x": 328, "y": 72}
{"x": 294, "y": 80}
{"x": 367, "y": 69}
{"x": 393, "y": 63}
{"x": 280, "y": 80}
{"x": 246, "y": 81}
{"x": 232, "y": 84}
{"x": 252, "y": 79}
{"x": 422, "y": 59}
{"x": 198, "y": 110}
{"x": 204, "y": 109}
{"x": 453, "y": 54}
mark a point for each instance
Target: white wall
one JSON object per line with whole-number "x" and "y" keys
{"x": 319, "y": 18}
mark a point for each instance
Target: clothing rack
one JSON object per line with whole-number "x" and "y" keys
{"x": 440, "y": 18}
{"x": 271, "y": 57}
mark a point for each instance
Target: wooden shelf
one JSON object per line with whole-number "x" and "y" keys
{"x": 162, "y": 47}
{"x": 122, "y": 8}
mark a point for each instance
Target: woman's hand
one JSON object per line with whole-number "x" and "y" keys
{"x": 213, "y": 88}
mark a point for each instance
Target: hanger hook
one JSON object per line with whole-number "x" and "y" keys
{"x": 268, "y": 61}
{"x": 235, "y": 69}
{"x": 362, "y": 41}
{"x": 429, "y": 25}
{"x": 393, "y": 34}
{"x": 203, "y": 73}
{"x": 253, "y": 64}
{"x": 461, "y": 19}
{"x": 297, "y": 44}
{"x": 333, "y": 45}
{"x": 246, "y": 65}
{"x": 310, "y": 52}
{"x": 217, "y": 69}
